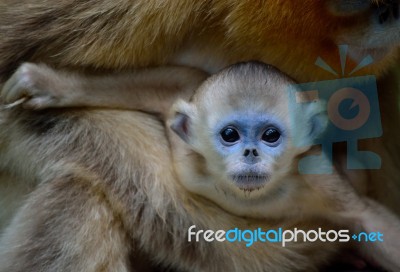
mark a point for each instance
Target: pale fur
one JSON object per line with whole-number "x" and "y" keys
{"x": 224, "y": 92}
{"x": 288, "y": 197}
{"x": 89, "y": 214}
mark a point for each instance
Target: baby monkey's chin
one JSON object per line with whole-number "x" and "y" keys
{"x": 249, "y": 182}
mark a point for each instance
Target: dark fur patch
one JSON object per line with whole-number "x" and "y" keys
{"x": 42, "y": 122}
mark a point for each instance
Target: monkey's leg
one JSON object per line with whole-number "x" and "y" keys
{"x": 12, "y": 193}
{"x": 118, "y": 169}
{"x": 66, "y": 224}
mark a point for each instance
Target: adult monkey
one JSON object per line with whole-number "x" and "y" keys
{"x": 211, "y": 34}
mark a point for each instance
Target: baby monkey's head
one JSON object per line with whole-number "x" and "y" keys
{"x": 241, "y": 123}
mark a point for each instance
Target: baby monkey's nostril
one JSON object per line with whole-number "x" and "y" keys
{"x": 254, "y": 152}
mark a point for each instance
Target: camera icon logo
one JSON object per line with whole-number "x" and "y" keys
{"x": 352, "y": 107}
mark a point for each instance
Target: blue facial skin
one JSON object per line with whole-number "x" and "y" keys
{"x": 250, "y": 127}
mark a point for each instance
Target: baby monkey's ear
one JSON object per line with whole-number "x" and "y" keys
{"x": 181, "y": 120}
{"x": 309, "y": 122}
{"x": 318, "y": 119}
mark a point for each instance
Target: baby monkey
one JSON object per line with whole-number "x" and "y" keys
{"x": 231, "y": 143}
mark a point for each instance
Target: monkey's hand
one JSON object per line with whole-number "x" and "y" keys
{"x": 363, "y": 215}
{"x": 41, "y": 87}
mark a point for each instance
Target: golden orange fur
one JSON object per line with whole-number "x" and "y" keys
{"x": 97, "y": 36}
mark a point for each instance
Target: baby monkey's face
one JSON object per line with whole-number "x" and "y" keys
{"x": 249, "y": 144}
{"x": 243, "y": 127}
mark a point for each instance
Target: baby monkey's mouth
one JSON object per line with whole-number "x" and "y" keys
{"x": 251, "y": 181}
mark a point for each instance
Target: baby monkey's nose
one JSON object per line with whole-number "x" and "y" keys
{"x": 247, "y": 152}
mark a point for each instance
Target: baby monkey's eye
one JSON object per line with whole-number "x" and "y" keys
{"x": 271, "y": 135}
{"x": 230, "y": 135}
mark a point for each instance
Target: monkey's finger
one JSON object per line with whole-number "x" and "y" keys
{"x": 14, "y": 104}
{"x": 8, "y": 87}
{"x": 13, "y": 91}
